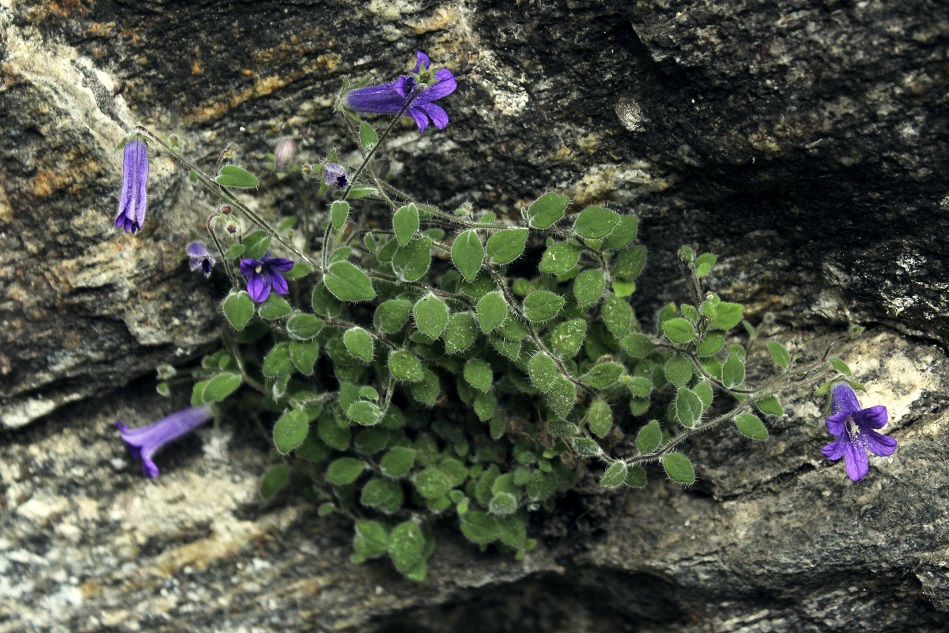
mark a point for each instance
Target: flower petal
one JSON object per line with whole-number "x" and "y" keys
{"x": 445, "y": 86}
{"x": 249, "y": 266}
{"x": 842, "y": 398}
{"x": 882, "y": 445}
{"x": 836, "y": 424}
{"x": 857, "y": 462}
{"x": 834, "y": 450}
{"x": 383, "y": 98}
{"x": 279, "y": 263}
{"x": 278, "y": 282}
{"x": 871, "y": 418}
{"x": 133, "y": 199}
{"x": 421, "y": 119}
{"x": 258, "y": 287}
{"x": 437, "y": 113}
{"x": 422, "y": 61}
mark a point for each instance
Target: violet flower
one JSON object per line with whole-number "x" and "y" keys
{"x": 334, "y": 175}
{"x": 144, "y": 442}
{"x": 199, "y": 257}
{"x": 263, "y": 274}
{"x": 855, "y": 431}
{"x": 389, "y": 98}
{"x": 132, "y": 201}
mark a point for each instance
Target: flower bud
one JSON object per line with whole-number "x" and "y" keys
{"x": 283, "y": 154}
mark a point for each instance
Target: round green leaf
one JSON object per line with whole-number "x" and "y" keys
{"x": 588, "y": 287}
{"x": 405, "y": 223}
{"x": 344, "y": 470}
{"x": 727, "y": 315}
{"x": 277, "y": 362}
{"x": 431, "y": 316}
{"x": 596, "y": 223}
{"x": 406, "y": 545}
{"x": 615, "y": 476}
{"x": 238, "y": 309}
{"x": 391, "y": 315}
{"x": 275, "y": 307}
{"x": 364, "y": 412}
{"x": 599, "y": 417}
{"x": 404, "y": 366}
{"x": 779, "y": 354}
{"x": 546, "y": 210}
{"x": 339, "y": 213}
{"x": 560, "y": 258}
{"x": 567, "y": 338}
{"x": 274, "y": 480}
{"x": 503, "y": 504}
{"x": 617, "y": 315}
{"x": 679, "y": 330}
{"x": 630, "y": 262}
{"x": 368, "y": 137}
{"x": 603, "y": 375}
{"x": 712, "y": 342}
{"x": 290, "y": 430}
{"x": 220, "y": 387}
{"x": 397, "y": 461}
{"x": 507, "y": 245}
{"x": 562, "y": 396}
{"x": 348, "y": 283}
{"x": 770, "y": 406}
{"x": 649, "y": 438}
{"x": 751, "y": 426}
{"x": 679, "y": 468}
{"x": 303, "y": 327}
{"x": 478, "y": 374}
{"x": 384, "y": 495}
{"x": 542, "y": 305}
{"x": 371, "y": 539}
{"x": 234, "y": 176}
{"x": 358, "y": 343}
{"x": 492, "y": 310}
{"x": 543, "y": 371}
{"x": 467, "y": 254}
{"x": 733, "y": 371}
{"x": 461, "y": 333}
{"x": 623, "y": 233}
{"x": 678, "y": 370}
{"x": 432, "y": 483}
{"x": 411, "y": 261}
{"x": 688, "y": 407}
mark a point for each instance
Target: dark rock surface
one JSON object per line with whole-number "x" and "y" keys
{"x": 803, "y": 141}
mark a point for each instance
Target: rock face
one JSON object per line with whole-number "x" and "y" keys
{"x": 805, "y": 142}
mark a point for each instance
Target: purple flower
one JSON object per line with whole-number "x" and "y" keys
{"x": 334, "y": 175}
{"x": 389, "y": 98}
{"x": 144, "y": 442}
{"x": 263, "y": 274}
{"x": 200, "y": 258}
{"x": 855, "y": 431}
{"x": 131, "y": 214}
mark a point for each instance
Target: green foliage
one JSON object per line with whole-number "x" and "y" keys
{"x": 461, "y": 367}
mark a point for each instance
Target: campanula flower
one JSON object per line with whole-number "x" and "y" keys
{"x": 389, "y": 98}
{"x": 144, "y": 442}
{"x": 855, "y": 429}
{"x": 263, "y": 274}
{"x": 334, "y": 175}
{"x": 132, "y": 201}
{"x": 199, "y": 257}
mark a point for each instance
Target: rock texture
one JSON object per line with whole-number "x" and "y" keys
{"x": 804, "y": 141}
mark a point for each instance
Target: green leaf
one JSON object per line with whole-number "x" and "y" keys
{"x": 348, "y": 283}
{"x": 503, "y": 504}
{"x": 238, "y": 309}
{"x": 461, "y": 333}
{"x": 234, "y": 176}
{"x": 274, "y": 480}
{"x": 426, "y": 390}
{"x": 678, "y": 370}
{"x": 603, "y": 375}
{"x": 507, "y": 245}
{"x": 299, "y": 270}
{"x": 636, "y": 477}
{"x": 220, "y": 387}
{"x": 371, "y": 539}
{"x": 542, "y": 305}
{"x": 384, "y": 495}
{"x": 637, "y": 345}
{"x": 630, "y": 263}
{"x": 358, "y": 343}
{"x": 562, "y": 396}
{"x": 679, "y": 330}
{"x": 585, "y": 447}
{"x": 432, "y": 483}
{"x": 615, "y": 476}
{"x": 599, "y": 417}
{"x": 304, "y": 327}
{"x": 478, "y": 374}
{"x": 712, "y": 342}
{"x": 367, "y": 136}
{"x": 560, "y": 258}
{"x": 727, "y": 315}
{"x": 568, "y": 337}
{"x": 411, "y": 261}
{"x": 492, "y": 311}
{"x": 546, "y": 210}
{"x": 640, "y": 386}
{"x": 404, "y": 366}
{"x": 364, "y": 412}
{"x": 371, "y": 441}
{"x": 751, "y": 426}
{"x": 391, "y": 315}
{"x": 649, "y": 438}
{"x": 485, "y": 405}
{"x": 431, "y": 316}
{"x": 596, "y": 222}
{"x": 275, "y": 307}
{"x": 405, "y": 223}
{"x": 467, "y": 254}
{"x": 361, "y": 191}
{"x": 406, "y": 546}
{"x": 323, "y": 301}
{"x": 303, "y": 355}
{"x": 688, "y": 407}
{"x": 290, "y": 430}
{"x": 277, "y": 362}
{"x": 703, "y": 389}
{"x": 733, "y": 371}
{"x": 617, "y": 315}
{"x": 840, "y": 366}
{"x": 704, "y": 263}
{"x": 770, "y": 406}
{"x": 779, "y": 354}
{"x": 344, "y": 470}
{"x": 397, "y": 462}
{"x": 588, "y": 287}
{"x": 256, "y": 244}
{"x": 543, "y": 371}
{"x": 332, "y": 433}
{"x": 479, "y": 527}
{"x": 623, "y": 233}
{"x": 339, "y": 213}
{"x": 679, "y": 468}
